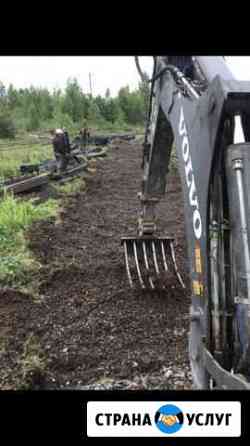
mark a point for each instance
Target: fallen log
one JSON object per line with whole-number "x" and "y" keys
{"x": 96, "y": 152}
{"x": 33, "y": 182}
{"x": 68, "y": 173}
{"x": 26, "y": 185}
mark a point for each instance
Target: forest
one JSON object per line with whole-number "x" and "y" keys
{"x": 32, "y": 109}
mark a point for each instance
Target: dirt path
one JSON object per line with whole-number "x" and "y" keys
{"x": 89, "y": 328}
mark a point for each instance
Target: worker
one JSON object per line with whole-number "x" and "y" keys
{"x": 70, "y": 148}
{"x": 60, "y": 149}
{"x": 66, "y": 138}
{"x": 85, "y": 136}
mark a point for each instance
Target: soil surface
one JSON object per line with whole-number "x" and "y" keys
{"x": 88, "y": 329}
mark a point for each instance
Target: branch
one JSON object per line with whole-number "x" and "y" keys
{"x": 141, "y": 74}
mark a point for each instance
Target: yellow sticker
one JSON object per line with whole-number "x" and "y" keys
{"x": 198, "y": 288}
{"x": 197, "y": 251}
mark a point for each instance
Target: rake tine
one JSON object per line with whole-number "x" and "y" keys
{"x": 146, "y": 263}
{"x": 127, "y": 264}
{"x": 155, "y": 258}
{"x": 137, "y": 265}
{"x": 175, "y": 266}
{"x": 164, "y": 257}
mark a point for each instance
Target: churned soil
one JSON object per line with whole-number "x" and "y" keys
{"x": 88, "y": 328}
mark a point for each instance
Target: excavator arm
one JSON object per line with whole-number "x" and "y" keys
{"x": 197, "y": 116}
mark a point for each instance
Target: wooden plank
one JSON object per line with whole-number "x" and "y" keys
{"x": 69, "y": 173}
{"x": 26, "y": 185}
{"x": 40, "y": 180}
{"x": 97, "y": 153}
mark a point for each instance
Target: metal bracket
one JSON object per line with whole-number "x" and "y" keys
{"x": 241, "y": 300}
{"x": 146, "y": 221}
{"x": 146, "y": 200}
{"x": 220, "y": 313}
{"x": 223, "y": 378}
{"x": 196, "y": 315}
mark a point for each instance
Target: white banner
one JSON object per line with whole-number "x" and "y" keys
{"x": 163, "y": 419}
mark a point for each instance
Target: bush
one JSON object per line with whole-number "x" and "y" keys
{"x": 34, "y": 119}
{"x": 7, "y": 127}
{"x": 59, "y": 120}
{"x": 11, "y": 159}
{"x": 16, "y": 216}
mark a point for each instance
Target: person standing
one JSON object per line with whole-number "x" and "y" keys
{"x": 85, "y": 136}
{"x": 66, "y": 138}
{"x": 60, "y": 149}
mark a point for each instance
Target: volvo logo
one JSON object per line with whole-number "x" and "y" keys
{"x": 193, "y": 198}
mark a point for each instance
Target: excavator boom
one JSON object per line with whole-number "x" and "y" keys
{"x": 195, "y": 110}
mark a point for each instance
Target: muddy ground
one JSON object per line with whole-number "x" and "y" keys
{"x": 88, "y": 329}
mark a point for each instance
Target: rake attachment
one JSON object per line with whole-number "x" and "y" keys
{"x": 150, "y": 262}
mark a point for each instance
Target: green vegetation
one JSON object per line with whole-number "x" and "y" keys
{"x": 16, "y": 154}
{"x": 32, "y": 363}
{"x": 36, "y": 109}
{"x": 71, "y": 187}
{"x": 32, "y": 108}
{"x": 7, "y": 129}
{"x": 16, "y": 216}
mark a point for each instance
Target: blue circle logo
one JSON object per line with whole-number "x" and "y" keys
{"x": 169, "y": 419}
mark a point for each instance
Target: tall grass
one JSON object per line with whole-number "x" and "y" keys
{"x": 25, "y": 151}
{"x": 13, "y": 156}
{"x": 16, "y": 261}
{"x": 71, "y": 187}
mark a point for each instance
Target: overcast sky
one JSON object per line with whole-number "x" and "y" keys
{"x": 111, "y": 72}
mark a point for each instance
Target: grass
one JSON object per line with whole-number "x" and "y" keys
{"x": 18, "y": 266}
{"x": 32, "y": 363}
{"x": 71, "y": 187}
{"x": 17, "y": 263}
{"x": 109, "y": 128}
{"x": 16, "y": 216}
{"x": 13, "y": 156}
{"x": 24, "y": 149}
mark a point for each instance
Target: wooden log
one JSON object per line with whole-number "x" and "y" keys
{"x": 97, "y": 153}
{"x": 26, "y": 185}
{"x": 69, "y": 173}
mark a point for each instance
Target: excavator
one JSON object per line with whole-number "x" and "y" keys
{"x": 203, "y": 115}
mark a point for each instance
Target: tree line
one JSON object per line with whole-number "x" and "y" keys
{"x": 33, "y": 108}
